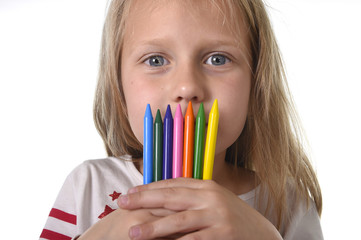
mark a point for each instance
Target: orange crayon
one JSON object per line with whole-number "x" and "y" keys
{"x": 188, "y": 142}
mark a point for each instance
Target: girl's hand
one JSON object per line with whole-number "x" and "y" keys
{"x": 202, "y": 210}
{"x": 116, "y": 224}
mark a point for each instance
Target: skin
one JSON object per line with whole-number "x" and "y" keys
{"x": 202, "y": 210}
{"x": 188, "y": 74}
{"x": 182, "y": 43}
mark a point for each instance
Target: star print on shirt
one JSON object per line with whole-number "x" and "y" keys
{"x": 115, "y": 195}
{"x": 107, "y": 210}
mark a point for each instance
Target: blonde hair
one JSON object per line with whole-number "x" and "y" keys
{"x": 270, "y": 143}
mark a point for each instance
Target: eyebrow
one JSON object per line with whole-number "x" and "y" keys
{"x": 211, "y": 43}
{"x": 207, "y": 43}
{"x": 165, "y": 39}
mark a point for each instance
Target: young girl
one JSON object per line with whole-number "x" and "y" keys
{"x": 171, "y": 52}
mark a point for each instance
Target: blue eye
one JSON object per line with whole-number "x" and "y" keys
{"x": 217, "y": 60}
{"x": 156, "y": 61}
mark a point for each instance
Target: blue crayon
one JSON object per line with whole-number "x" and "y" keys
{"x": 167, "y": 144}
{"x": 148, "y": 146}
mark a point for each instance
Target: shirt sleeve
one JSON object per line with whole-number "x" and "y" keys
{"x": 62, "y": 221}
{"x": 306, "y": 226}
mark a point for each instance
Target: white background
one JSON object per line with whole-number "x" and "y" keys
{"x": 48, "y": 68}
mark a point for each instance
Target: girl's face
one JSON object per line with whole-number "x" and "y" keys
{"x": 174, "y": 53}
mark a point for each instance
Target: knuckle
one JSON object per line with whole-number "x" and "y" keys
{"x": 218, "y": 197}
{"x": 230, "y": 232}
{"x": 214, "y": 197}
{"x": 169, "y": 192}
{"x": 135, "y": 199}
{"x": 225, "y": 214}
{"x": 180, "y": 220}
{"x": 194, "y": 236}
{"x": 210, "y": 184}
{"x": 147, "y": 230}
{"x": 169, "y": 182}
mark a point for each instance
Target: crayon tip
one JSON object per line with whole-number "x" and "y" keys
{"x": 158, "y": 118}
{"x": 168, "y": 113}
{"x": 148, "y": 111}
{"x": 178, "y": 112}
{"x": 215, "y": 106}
{"x": 201, "y": 111}
{"x": 189, "y": 109}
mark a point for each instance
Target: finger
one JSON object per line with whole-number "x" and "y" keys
{"x": 175, "y": 182}
{"x": 181, "y": 222}
{"x": 175, "y": 199}
{"x": 161, "y": 212}
{"x": 207, "y": 234}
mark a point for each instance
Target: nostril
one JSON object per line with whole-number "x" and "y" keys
{"x": 187, "y": 89}
{"x": 187, "y": 99}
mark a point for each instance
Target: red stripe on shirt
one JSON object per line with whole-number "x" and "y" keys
{"x": 47, "y": 234}
{"x": 63, "y": 216}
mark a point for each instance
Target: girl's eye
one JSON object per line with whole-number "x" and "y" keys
{"x": 217, "y": 60}
{"x": 156, "y": 61}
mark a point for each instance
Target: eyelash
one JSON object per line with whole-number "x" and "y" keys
{"x": 164, "y": 61}
{"x": 148, "y": 60}
{"x": 226, "y": 59}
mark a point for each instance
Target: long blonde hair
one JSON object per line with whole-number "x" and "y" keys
{"x": 270, "y": 143}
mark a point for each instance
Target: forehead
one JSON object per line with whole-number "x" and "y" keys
{"x": 193, "y": 7}
{"x": 226, "y": 14}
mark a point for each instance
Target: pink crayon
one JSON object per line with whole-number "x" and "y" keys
{"x": 178, "y": 143}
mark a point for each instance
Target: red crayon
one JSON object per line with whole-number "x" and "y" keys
{"x": 188, "y": 142}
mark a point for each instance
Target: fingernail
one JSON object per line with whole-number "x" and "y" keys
{"x": 134, "y": 232}
{"x": 123, "y": 200}
{"x": 133, "y": 190}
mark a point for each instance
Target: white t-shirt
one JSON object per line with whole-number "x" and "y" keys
{"x": 90, "y": 192}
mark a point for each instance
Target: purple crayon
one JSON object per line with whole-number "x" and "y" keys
{"x": 178, "y": 143}
{"x": 167, "y": 144}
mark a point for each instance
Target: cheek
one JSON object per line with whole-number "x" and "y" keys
{"x": 139, "y": 92}
{"x": 230, "y": 127}
{"x": 136, "y": 122}
{"x": 135, "y": 98}
{"x": 233, "y": 109}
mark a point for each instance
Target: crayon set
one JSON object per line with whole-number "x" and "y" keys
{"x": 175, "y": 147}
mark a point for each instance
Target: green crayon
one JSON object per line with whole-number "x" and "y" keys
{"x": 199, "y": 143}
{"x": 158, "y": 147}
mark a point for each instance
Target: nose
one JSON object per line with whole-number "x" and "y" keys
{"x": 188, "y": 84}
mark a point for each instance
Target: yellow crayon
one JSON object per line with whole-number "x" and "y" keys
{"x": 211, "y": 140}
